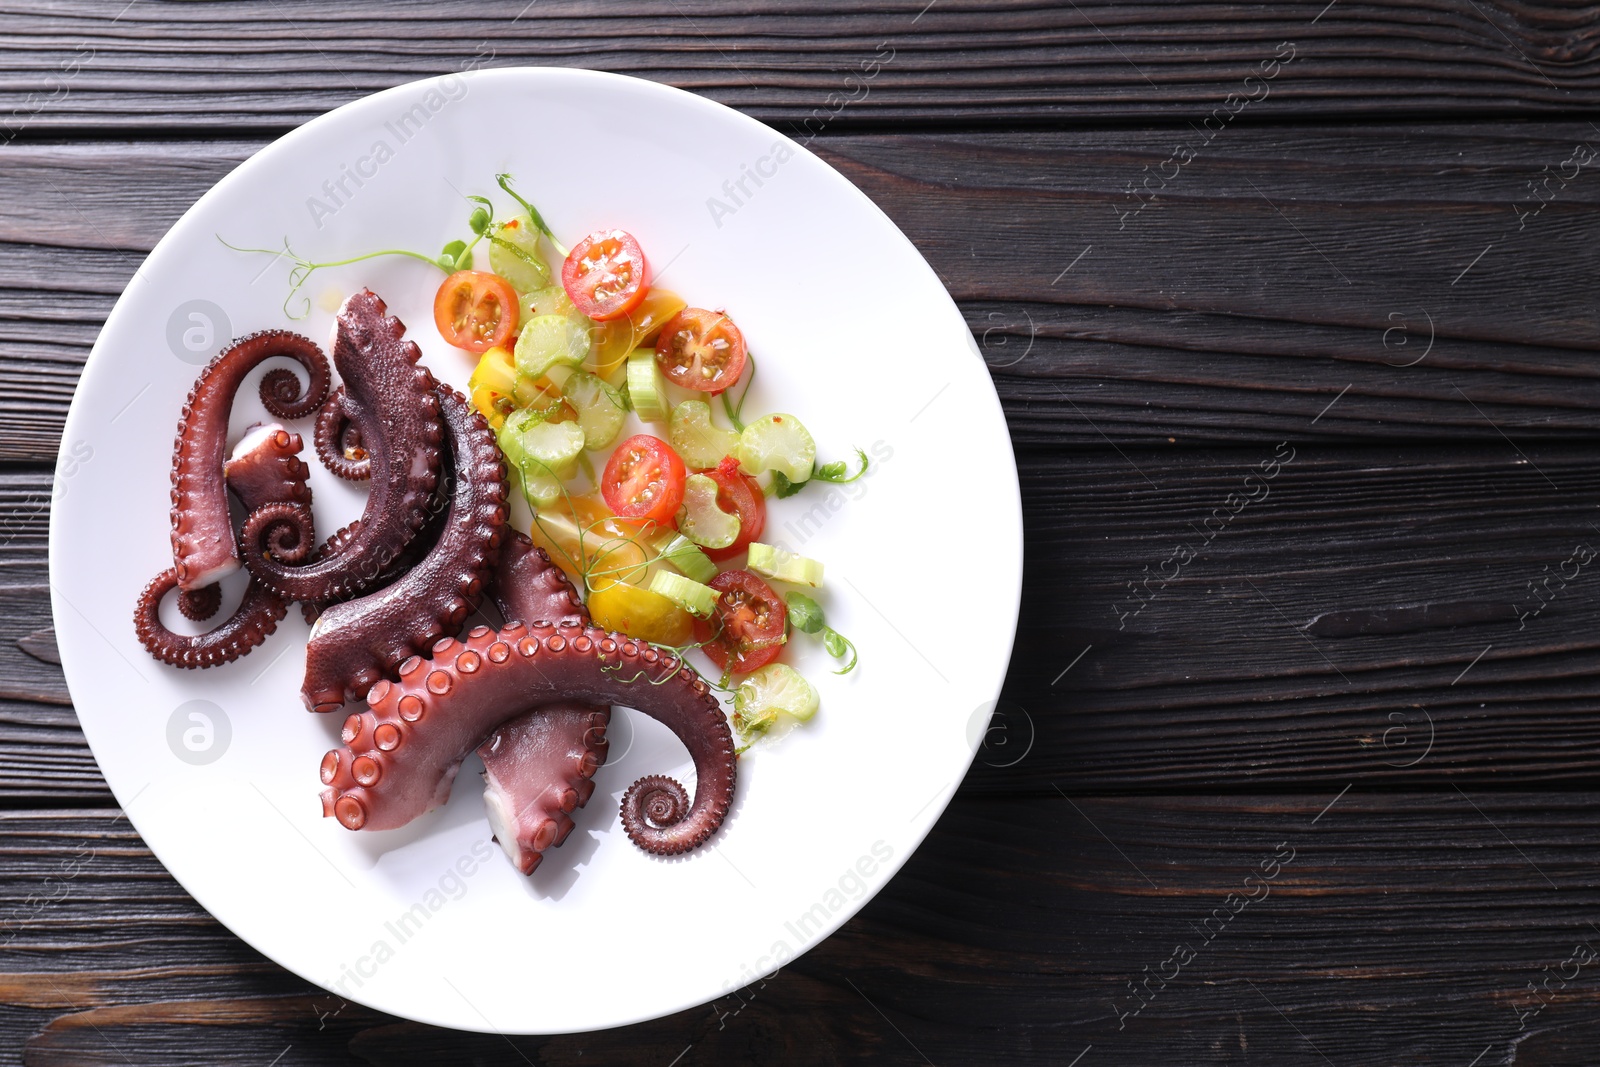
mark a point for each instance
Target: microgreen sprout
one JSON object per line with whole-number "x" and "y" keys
{"x": 837, "y": 472}
{"x": 734, "y": 410}
{"x": 805, "y": 615}
{"x": 504, "y": 181}
{"x": 457, "y": 255}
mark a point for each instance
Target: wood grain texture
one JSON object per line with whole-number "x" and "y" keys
{"x": 1388, "y": 927}
{"x": 108, "y": 65}
{"x": 1385, "y": 265}
{"x": 1366, "y": 616}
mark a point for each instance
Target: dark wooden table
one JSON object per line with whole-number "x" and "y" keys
{"x": 1293, "y": 311}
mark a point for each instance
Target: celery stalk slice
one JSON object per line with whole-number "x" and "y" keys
{"x": 773, "y": 562}
{"x": 701, "y": 519}
{"x": 684, "y": 554}
{"x": 645, "y": 387}
{"x": 687, "y": 593}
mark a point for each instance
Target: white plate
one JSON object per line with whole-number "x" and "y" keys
{"x": 855, "y": 335}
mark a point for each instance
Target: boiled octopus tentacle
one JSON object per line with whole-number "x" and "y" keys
{"x": 203, "y": 546}
{"x": 357, "y": 642}
{"x": 265, "y": 468}
{"x": 539, "y": 768}
{"x": 338, "y": 441}
{"x": 200, "y": 604}
{"x": 402, "y": 754}
{"x": 398, "y": 413}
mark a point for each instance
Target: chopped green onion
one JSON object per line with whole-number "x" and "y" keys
{"x": 772, "y": 690}
{"x": 701, "y": 519}
{"x": 774, "y": 562}
{"x": 645, "y": 387}
{"x": 599, "y": 406}
{"x": 688, "y": 594}
{"x": 696, "y": 438}
{"x": 685, "y": 555}
{"x": 547, "y": 340}
{"x": 778, "y": 443}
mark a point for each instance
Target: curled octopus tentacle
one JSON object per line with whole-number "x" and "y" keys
{"x": 200, "y": 604}
{"x": 357, "y": 642}
{"x": 203, "y": 546}
{"x": 338, "y": 440}
{"x": 402, "y": 753}
{"x": 258, "y": 616}
{"x": 392, "y": 401}
{"x": 264, "y": 470}
{"x": 539, "y": 768}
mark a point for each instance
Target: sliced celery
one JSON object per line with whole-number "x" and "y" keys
{"x": 542, "y": 453}
{"x": 778, "y": 443}
{"x": 548, "y": 340}
{"x": 701, "y": 519}
{"x": 688, "y": 594}
{"x": 684, "y": 554}
{"x": 772, "y": 690}
{"x": 696, "y": 439}
{"x": 599, "y": 406}
{"x": 551, "y": 300}
{"x": 514, "y": 255}
{"x": 645, "y": 386}
{"x": 774, "y": 562}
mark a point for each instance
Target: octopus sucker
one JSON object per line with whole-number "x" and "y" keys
{"x": 447, "y": 721}
{"x": 394, "y": 404}
{"x": 357, "y": 642}
{"x": 203, "y": 546}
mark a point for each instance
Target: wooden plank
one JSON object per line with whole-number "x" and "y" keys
{"x": 1376, "y": 927}
{"x": 1369, "y": 608}
{"x": 1217, "y": 314}
{"x": 214, "y": 66}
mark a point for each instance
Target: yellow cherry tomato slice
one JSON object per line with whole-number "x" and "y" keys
{"x": 639, "y": 613}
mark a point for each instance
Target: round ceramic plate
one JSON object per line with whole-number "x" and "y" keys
{"x": 217, "y": 769}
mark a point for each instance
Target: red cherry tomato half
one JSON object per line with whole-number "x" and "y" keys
{"x": 643, "y": 480}
{"x": 752, "y": 621}
{"x": 476, "y": 310}
{"x": 702, "y": 350}
{"x": 741, "y": 495}
{"x": 604, "y": 274}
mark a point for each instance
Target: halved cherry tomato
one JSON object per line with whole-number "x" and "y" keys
{"x": 740, "y": 494}
{"x": 475, "y": 310}
{"x": 702, "y": 350}
{"x": 643, "y": 480}
{"x": 752, "y": 621}
{"x": 637, "y": 612}
{"x": 604, "y": 274}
